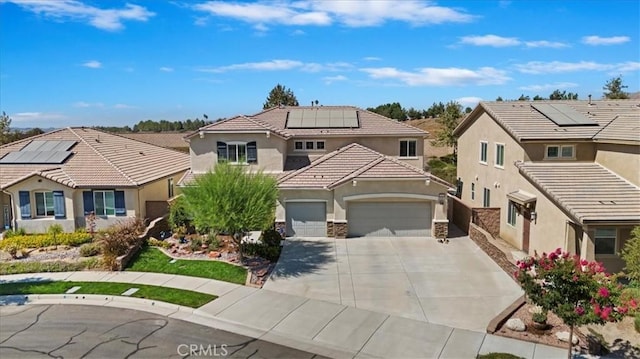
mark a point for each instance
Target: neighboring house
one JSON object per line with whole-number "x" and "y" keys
{"x": 343, "y": 171}
{"x": 563, "y": 173}
{"x": 172, "y": 140}
{"x": 62, "y": 176}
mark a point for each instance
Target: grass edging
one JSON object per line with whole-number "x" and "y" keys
{"x": 151, "y": 259}
{"x": 182, "y": 297}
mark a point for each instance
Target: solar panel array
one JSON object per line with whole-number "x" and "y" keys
{"x": 322, "y": 118}
{"x": 40, "y": 152}
{"x": 563, "y": 115}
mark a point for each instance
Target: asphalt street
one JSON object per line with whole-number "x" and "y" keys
{"x": 77, "y": 331}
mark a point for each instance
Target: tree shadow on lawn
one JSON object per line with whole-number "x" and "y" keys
{"x": 301, "y": 257}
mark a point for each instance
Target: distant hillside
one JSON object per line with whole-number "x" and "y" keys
{"x": 430, "y": 125}
{"x": 635, "y": 95}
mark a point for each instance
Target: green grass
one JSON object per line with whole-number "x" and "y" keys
{"x": 169, "y": 295}
{"x": 498, "y": 356}
{"x": 57, "y": 266}
{"x": 153, "y": 260}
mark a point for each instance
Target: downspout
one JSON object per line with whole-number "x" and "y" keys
{"x": 14, "y": 225}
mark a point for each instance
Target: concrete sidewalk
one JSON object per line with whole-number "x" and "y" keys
{"x": 325, "y": 328}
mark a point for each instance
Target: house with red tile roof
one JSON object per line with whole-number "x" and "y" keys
{"x": 60, "y": 177}
{"x": 342, "y": 171}
{"x": 562, "y": 173}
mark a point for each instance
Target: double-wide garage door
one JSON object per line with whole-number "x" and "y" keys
{"x": 389, "y": 219}
{"x": 306, "y": 219}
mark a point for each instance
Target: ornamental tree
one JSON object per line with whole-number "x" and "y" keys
{"x": 578, "y": 291}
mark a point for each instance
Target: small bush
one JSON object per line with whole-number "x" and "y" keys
{"x": 90, "y": 249}
{"x": 55, "y": 229}
{"x": 271, "y": 253}
{"x": 178, "y": 216}
{"x": 631, "y": 255}
{"x": 45, "y": 240}
{"x": 117, "y": 239}
{"x": 196, "y": 244}
{"x": 12, "y": 249}
{"x": 271, "y": 237}
{"x": 158, "y": 243}
{"x": 212, "y": 242}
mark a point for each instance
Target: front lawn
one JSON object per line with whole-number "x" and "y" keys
{"x": 170, "y": 295}
{"x": 153, "y": 260}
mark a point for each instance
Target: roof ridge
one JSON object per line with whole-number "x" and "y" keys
{"x": 394, "y": 120}
{"x": 61, "y": 169}
{"x": 266, "y": 125}
{"x": 605, "y": 126}
{"x": 356, "y": 172}
{"x": 318, "y": 161}
{"x": 102, "y": 155}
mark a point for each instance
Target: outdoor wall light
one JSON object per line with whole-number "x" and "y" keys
{"x": 534, "y": 216}
{"x": 441, "y": 198}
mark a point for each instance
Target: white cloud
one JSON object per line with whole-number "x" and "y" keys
{"x": 122, "y": 106}
{"x": 441, "y": 76}
{"x": 280, "y": 65}
{"x": 490, "y": 40}
{"x": 93, "y": 64}
{"x": 598, "y": 40}
{"x": 82, "y": 104}
{"x": 372, "y": 58}
{"x": 166, "y": 69}
{"x": 72, "y": 10}
{"x": 201, "y": 21}
{"x": 547, "y": 87}
{"x": 331, "y": 79}
{"x": 470, "y": 101}
{"x": 353, "y": 13}
{"x": 545, "y": 43}
{"x": 541, "y": 67}
{"x": 33, "y": 116}
{"x": 298, "y": 32}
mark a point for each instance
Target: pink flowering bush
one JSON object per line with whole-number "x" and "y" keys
{"x": 576, "y": 290}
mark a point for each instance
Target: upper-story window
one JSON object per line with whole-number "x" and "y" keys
{"x": 44, "y": 204}
{"x": 308, "y": 145}
{"x": 560, "y": 151}
{"x": 408, "y": 148}
{"x": 484, "y": 145}
{"x": 499, "y": 155}
{"x": 238, "y": 152}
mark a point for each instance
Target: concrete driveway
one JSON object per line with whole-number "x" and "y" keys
{"x": 454, "y": 284}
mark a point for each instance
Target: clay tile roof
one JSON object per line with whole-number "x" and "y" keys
{"x": 162, "y": 139}
{"x": 588, "y": 191}
{"x": 99, "y": 159}
{"x": 348, "y": 163}
{"x": 241, "y": 123}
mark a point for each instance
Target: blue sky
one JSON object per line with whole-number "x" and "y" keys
{"x": 113, "y": 63}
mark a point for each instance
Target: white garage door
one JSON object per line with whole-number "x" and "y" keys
{"x": 306, "y": 219}
{"x": 389, "y": 219}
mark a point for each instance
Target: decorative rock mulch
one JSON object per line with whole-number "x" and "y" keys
{"x": 47, "y": 254}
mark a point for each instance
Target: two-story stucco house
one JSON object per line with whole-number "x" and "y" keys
{"x": 342, "y": 171}
{"x": 61, "y": 176}
{"x": 563, "y": 173}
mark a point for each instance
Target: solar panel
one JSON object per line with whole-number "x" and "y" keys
{"x": 563, "y": 115}
{"x": 35, "y": 157}
{"x": 57, "y": 145}
{"x": 322, "y": 118}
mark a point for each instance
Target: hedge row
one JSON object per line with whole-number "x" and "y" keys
{"x": 45, "y": 240}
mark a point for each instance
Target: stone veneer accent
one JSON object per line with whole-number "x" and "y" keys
{"x": 281, "y": 227}
{"x": 481, "y": 238}
{"x": 340, "y": 229}
{"x": 488, "y": 219}
{"x": 330, "y": 230}
{"x": 440, "y": 228}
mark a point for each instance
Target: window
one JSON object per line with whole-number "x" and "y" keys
{"x": 170, "y": 187}
{"x": 511, "y": 214}
{"x": 44, "y": 204}
{"x": 483, "y": 152}
{"x": 605, "y": 241}
{"x": 104, "y": 203}
{"x": 486, "y": 201}
{"x": 473, "y": 191}
{"x": 408, "y": 148}
{"x": 238, "y": 152}
{"x": 558, "y": 151}
{"x": 310, "y": 145}
{"x": 499, "y": 155}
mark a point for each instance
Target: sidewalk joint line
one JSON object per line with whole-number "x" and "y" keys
{"x": 344, "y": 307}
{"x": 288, "y": 314}
{"x": 372, "y": 334}
{"x": 446, "y": 342}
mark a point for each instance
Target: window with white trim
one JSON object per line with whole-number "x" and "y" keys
{"x": 511, "y": 214}
{"x": 298, "y": 145}
{"x": 237, "y": 152}
{"x": 170, "y": 189}
{"x": 473, "y": 191}
{"x": 309, "y": 145}
{"x": 408, "y": 148}
{"x": 486, "y": 200}
{"x": 559, "y": 152}
{"x": 484, "y": 146}
{"x": 104, "y": 203}
{"x": 44, "y": 204}
{"x": 499, "y": 155}
{"x": 605, "y": 241}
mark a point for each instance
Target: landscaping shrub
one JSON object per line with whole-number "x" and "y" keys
{"x": 178, "y": 216}
{"x": 212, "y": 242}
{"x": 11, "y": 233}
{"x": 271, "y": 237}
{"x": 631, "y": 255}
{"x": 45, "y": 240}
{"x": 271, "y": 253}
{"x": 117, "y": 239}
{"x": 158, "y": 243}
{"x": 196, "y": 244}
{"x": 90, "y": 249}
{"x": 443, "y": 169}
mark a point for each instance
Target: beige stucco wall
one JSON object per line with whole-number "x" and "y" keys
{"x": 5, "y": 202}
{"x": 157, "y": 190}
{"x": 389, "y": 146}
{"x": 622, "y": 159}
{"x": 40, "y": 225}
{"x": 271, "y": 151}
{"x": 583, "y": 151}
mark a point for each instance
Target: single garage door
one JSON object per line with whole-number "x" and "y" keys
{"x": 389, "y": 219}
{"x": 306, "y": 219}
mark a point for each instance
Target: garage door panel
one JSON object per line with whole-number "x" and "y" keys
{"x": 306, "y": 219}
{"x": 389, "y": 219}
